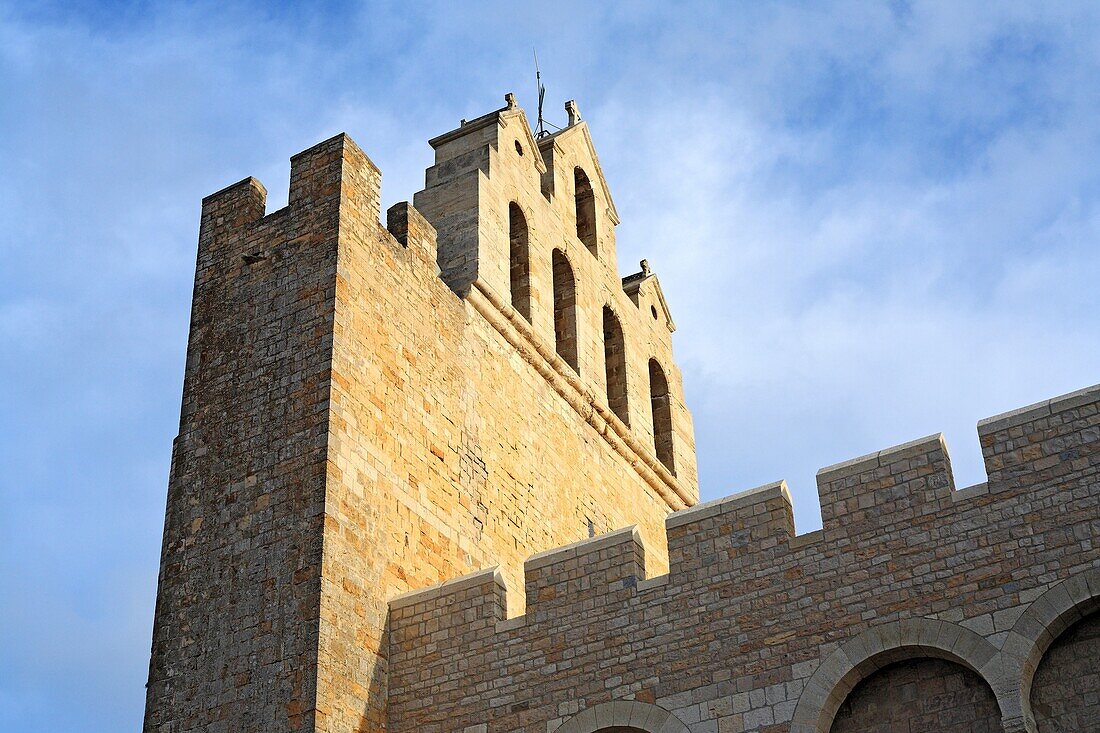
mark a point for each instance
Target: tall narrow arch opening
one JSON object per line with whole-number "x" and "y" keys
{"x": 565, "y": 310}
{"x": 519, "y": 258}
{"x": 661, "y": 408}
{"x": 614, "y": 359}
{"x": 586, "y": 209}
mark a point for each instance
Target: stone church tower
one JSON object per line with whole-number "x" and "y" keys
{"x": 438, "y": 475}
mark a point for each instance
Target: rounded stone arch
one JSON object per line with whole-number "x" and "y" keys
{"x": 516, "y": 198}
{"x": 1046, "y": 618}
{"x": 620, "y": 714}
{"x": 863, "y": 655}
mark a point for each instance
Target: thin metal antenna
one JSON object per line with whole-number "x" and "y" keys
{"x": 540, "y": 131}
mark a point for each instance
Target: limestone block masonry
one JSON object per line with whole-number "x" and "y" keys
{"x": 438, "y": 475}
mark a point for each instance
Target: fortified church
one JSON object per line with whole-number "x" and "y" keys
{"x": 437, "y": 475}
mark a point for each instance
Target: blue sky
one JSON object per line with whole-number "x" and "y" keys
{"x": 873, "y": 221}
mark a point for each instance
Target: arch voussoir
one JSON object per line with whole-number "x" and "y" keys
{"x": 624, "y": 713}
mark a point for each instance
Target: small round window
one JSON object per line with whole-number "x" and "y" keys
{"x": 519, "y": 148}
{"x": 653, "y": 310}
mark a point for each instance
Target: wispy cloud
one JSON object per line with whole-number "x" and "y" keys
{"x": 873, "y": 222}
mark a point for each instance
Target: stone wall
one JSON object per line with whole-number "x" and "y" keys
{"x": 235, "y": 634}
{"x": 756, "y": 629}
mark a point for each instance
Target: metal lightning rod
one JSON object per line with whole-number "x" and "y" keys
{"x": 541, "y": 131}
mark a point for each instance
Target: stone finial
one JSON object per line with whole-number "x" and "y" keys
{"x": 510, "y": 100}
{"x": 646, "y": 272}
{"x": 573, "y": 112}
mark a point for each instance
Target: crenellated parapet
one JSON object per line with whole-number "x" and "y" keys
{"x": 757, "y": 521}
{"x": 887, "y": 488}
{"x": 591, "y": 571}
{"x": 240, "y": 245}
{"x": 749, "y": 611}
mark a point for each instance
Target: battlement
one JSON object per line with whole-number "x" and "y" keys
{"x": 331, "y": 171}
{"x": 892, "y": 522}
{"x": 589, "y": 571}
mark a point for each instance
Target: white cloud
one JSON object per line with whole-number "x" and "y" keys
{"x": 836, "y": 311}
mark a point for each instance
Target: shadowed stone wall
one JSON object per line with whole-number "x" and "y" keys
{"x": 920, "y": 695}
{"x": 1065, "y": 695}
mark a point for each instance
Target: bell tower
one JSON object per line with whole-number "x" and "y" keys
{"x": 372, "y": 409}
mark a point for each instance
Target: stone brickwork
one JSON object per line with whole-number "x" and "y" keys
{"x": 387, "y": 431}
{"x": 235, "y": 635}
{"x": 756, "y": 629}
